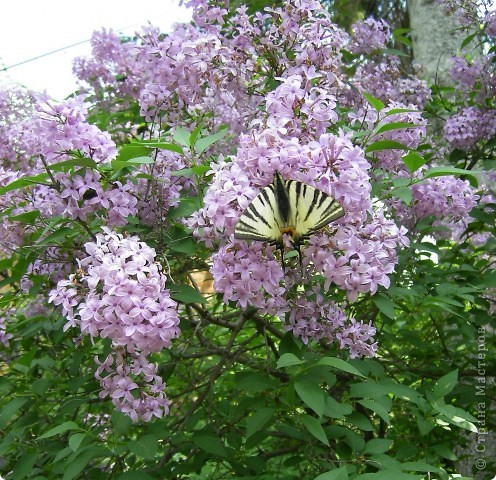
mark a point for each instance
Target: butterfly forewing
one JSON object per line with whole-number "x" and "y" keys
{"x": 261, "y": 220}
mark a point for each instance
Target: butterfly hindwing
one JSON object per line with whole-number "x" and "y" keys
{"x": 286, "y": 206}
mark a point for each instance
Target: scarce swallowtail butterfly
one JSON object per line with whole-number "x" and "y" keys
{"x": 286, "y": 206}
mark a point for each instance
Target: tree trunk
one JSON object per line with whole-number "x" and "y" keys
{"x": 436, "y": 37}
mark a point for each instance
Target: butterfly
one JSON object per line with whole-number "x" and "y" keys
{"x": 287, "y": 206}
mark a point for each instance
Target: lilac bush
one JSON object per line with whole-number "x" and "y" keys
{"x": 119, "y": 206}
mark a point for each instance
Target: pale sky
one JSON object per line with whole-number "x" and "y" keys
{"x": 30, "y": 28}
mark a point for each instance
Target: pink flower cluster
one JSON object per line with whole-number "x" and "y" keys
{"x": 59, "y": 128}
{"x": 134, "y": 386}
{"x": 313, "y": 317}
{"x": 469, "y": 126}
{"x": 369, "y": 35}
{"x": 121, "y": 295}
{"x": 446, "y": 198}
{"x": 390, "y": 160}
{"x": 386, "y": 81}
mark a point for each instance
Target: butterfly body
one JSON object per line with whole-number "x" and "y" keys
{"x": 287, "y": 207}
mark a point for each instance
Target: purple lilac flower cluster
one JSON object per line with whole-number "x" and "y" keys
{"x": 443, "y": 197}
{"x": 469, "y": 126}
{"x": 59, "y": 128}
{"x": 369, "y": 35}
{"x": 15, "y": 107}
{"x": 411, "y": 136}
{"x": 121, "y": 295}
{"x": 111, "y": 65}
{"x": 134, "y": 386}
{"x": 386, "y": 81}
{"x": 315, "y": 318}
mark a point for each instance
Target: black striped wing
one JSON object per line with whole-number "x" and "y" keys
{"x": 286, "y": 206}
{"x": 311, "y": 208}
{"x": 261, "y": 220}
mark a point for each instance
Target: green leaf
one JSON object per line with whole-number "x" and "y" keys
{"x": 385, "y": 305}
{"x": 413, "y": 161}
{"x": 255, "y": 382}
{"x": 182, "y": 136}
{"x": 288, "y": 360}
{"x": 117, "y": 164}
{"x": 378, "y": 445}
{"x": 468, "y": 39}
{"x": 377, "y": 408}
{"x": 336, "y": 474}
{"x": 75, "y": 441}
{"x": 420, "y": 467}
{"x": 375, "y": 102}
{"x": 315, "y": 428}
{"x": 74, "y": 466}
{"x": 62, "y": 233}
{"x": 8, "y": 411}
{"x": 404, "y": 40}
{"x": 203, "y": 143}
{"x": 144, "y": 447}
{"x": 62, "y": 428}
{"x": 172, "y": 147}
{"x": 24, "y": 466}
{"x": 396, "y": 52}
{"x": 191, "y": 172}
{"x": 403, "y": 193}
{"x": 186, "y": 294}
{"x": 456, "y": 416}
{"x": 445, "y": 452}
{"x": 312, "y": 395}
{"x": 258, "y": 420}
{"x": 26, "y": 217}
{"x": 445, "y": 384}
{"x": 388, "y": 475}
{"x": 394, "y": 126}
{"x": 385, "y": 145}
{"x": 210, "y": 443}
{"x": 444, "y": 171}
{"x": 340, "y": 364}
{"x": 132, "y": 150}
{"x": 186, "y": 245}
{"x": 24, "y": 182}
{"x": 75, "y": 162}
{"x": 135, "y": 475}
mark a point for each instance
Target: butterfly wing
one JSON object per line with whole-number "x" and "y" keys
{"x": 312, "y": 209}
{"x": 262, "y": 219}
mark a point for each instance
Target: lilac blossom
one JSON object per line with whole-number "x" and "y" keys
{"x": 464, "y": 129}
{"x": 369, "y": 35}
{"x": 122, "y": 295}
{"x": 133, "y": 385}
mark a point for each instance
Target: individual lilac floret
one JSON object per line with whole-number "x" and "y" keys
{"x": 121, "y": 295}
{"x": 134, "y": 386}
